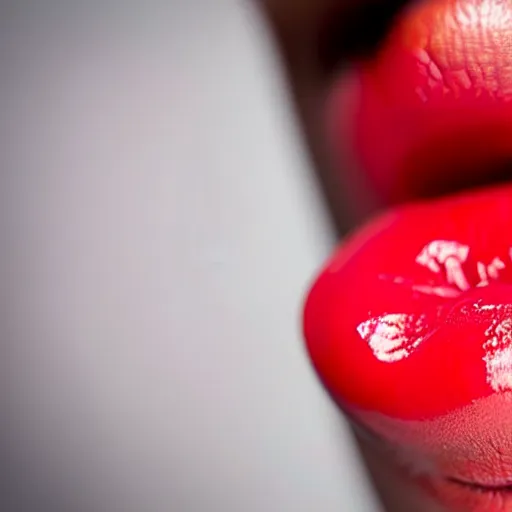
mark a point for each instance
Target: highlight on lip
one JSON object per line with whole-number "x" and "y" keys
{"x": 395, "y": 336}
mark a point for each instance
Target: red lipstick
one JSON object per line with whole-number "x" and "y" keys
{"x": 423, "y": 292}
{"x": 409, "y": 325}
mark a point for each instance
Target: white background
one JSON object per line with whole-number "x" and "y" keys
{"x": 159, "y": 230}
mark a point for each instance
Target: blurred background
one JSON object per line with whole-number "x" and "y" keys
{"x": 160, "y": 225}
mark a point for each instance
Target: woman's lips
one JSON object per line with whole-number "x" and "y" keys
{"x": 410, "y": 324}
{"x": 410, "y": 329}
{"x": 432, "y": 110}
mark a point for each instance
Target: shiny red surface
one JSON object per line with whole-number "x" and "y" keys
{"x": 397, "y": 323}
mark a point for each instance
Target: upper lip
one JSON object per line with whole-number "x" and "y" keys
{"x": 431, "y": 111}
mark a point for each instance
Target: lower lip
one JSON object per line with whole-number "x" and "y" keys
{"x": 409, "y": 326}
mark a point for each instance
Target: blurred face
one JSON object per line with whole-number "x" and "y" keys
{"x": 407, "y": 110}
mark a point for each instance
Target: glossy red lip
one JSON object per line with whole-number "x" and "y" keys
{"x": 413, "y": 316}
{"x": 410, "y": 324}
